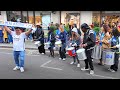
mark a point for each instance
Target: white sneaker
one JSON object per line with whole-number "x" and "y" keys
{"x": 83, "y": 69}
{"x": 22, "y": 69}
{"x": 78, "y": 65}
{"x": 60, "y": 58}
{"x": 91, "y": 72}
{"x": 64, "y": 59}
{"x": 111, "y": 70}
{"x": 16, "y": 68}
{"x": 72, "y": 63}
{"x": 42, "y": 53}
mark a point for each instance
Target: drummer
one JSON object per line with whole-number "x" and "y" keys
{"x": 115, "y": 43}
{"x": 62, "y": 49}
{"x": 105, "y": 36}
{"x": 51, "y": 39}
{"x": 88, "y": 44}
{"x": 75, "y": 43}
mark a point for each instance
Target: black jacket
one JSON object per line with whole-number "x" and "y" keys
{"x": 89, "y": 39}
{"x": 51, "y": 37}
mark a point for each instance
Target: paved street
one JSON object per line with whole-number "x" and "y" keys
{"x": 43, "y": 67}
{"x": 29, "y": 45}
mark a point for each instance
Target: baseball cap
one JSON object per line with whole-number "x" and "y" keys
{"x": 84, "y": 25}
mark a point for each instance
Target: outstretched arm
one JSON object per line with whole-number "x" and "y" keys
{"x": 28, "y": 32}
{"x": 7, "y": 29}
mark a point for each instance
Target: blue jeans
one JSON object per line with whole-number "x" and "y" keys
{"x": 19, "y": 57}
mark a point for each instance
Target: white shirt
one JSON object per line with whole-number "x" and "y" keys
{"x": 18, "y": 41}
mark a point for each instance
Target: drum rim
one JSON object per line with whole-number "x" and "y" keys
{"x": 80, "y": 49}
{"x": 71, "y": 49}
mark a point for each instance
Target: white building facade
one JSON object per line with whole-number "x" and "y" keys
{"x": 3, "y": 16}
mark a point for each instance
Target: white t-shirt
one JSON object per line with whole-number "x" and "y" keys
{"x": 18, "y": 41}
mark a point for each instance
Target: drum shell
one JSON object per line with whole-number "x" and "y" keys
{"x": 47, "y": 45}
{"x": 108, "y": 57}
{"x": 81, "y": 55}
{"x": 71, "y": 52}
{"x": 97, "y": 52}
{"x": 38, "y": 44}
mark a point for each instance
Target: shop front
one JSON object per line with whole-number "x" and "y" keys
{"x": 108, "y": 17}
{"x": 71, "y": 17}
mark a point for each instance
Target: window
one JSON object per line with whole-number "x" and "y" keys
{"x": 38, "y": 18}
{"x": 24, "y": 16}
{"x": 31, "y": 17}
{"x": 96, "y": 18}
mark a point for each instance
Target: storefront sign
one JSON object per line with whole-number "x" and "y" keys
{"x": 16, "y": 24}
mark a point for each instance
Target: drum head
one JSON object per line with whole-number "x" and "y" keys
{"x": 80, "y": 50}
{"x": 71, "y": 48}
{"x": 37, "y": 42}
{"x": 47, "y": 43}
{"x": 58, "y": 42}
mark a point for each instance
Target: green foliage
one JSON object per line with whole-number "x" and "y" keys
{"x": 97, "y": 30}
{"x": 67, "y": 27}
{"x": 54, "y": 28}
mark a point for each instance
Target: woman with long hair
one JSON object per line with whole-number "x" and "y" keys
{"x": 62, "y": 37}
{"x": 105, "y": 36}
{"x": 76, "y": 43}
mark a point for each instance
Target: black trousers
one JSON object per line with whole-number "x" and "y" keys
{"x": 116, "y": 62}
{"x": 62, "y": 53}
{"x": 88, "y": 61}
{"x": 6, "y": 40}
{"x": 51, "y": 51}
{"x": 41, "y": 49}
{"x": 33, "y": 36}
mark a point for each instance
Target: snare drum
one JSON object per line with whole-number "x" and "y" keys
{"x": 58, "y": 44}
{"x": 71, "y": 51}
{"x": 108, "y": 57}
{"x": 47, "y": 45}
{"x": 81, "y": 54}
{"x": 37, "y": 43}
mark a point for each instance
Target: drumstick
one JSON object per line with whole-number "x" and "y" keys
{"x": 111, "y": 47}
{"x": 118, "y": 52}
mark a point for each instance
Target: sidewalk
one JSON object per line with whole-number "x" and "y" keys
{"x": 28, "y": 45}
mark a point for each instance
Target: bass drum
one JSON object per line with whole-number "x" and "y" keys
{"x": 47, "y": 45}
{"x": 81, "y": 54}
{"x": 97, "y": 52}
{"x": 108, "y": 57}
{"x": 37, "y": 43}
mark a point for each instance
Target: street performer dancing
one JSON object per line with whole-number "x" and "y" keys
{"x": 88, "y": 44}
{"x": 18, "y": 46}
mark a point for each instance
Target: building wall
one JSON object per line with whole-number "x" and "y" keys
{"x": 3, "y": 16}
{"x": 55, "y": 18}
{"x": 86, "y": 17}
